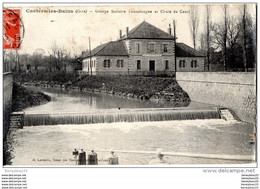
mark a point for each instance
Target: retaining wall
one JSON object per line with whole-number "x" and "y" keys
{"x": 7, "y": 100}
{"x": 234, "y": 90}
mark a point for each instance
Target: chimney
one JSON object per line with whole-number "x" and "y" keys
{"x": 127, "y": 31}
{"x": 120, "y": 34}
{"x": 170, "y": 29}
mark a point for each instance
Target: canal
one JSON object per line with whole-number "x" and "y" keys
{"x": 50, "y": 145}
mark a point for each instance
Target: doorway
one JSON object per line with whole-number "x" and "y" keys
{"x": 151, "y": 65}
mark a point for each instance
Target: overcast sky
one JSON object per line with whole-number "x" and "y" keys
{"x": 72, "y": 30}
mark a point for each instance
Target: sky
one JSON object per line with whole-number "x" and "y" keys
{"x": 73, "y": 30}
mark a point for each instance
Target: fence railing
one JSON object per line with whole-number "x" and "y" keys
{"x": 81, "y": 156}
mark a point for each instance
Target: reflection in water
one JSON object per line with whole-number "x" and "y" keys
{"x": 79, "y": 101}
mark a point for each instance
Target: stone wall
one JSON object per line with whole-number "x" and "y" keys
{"x": 234, "y": 90}
{"x": 7, "y": 100}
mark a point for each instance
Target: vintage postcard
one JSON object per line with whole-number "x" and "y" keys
{"x": 110, "y": 85}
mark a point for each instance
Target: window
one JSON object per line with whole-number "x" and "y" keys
{"x": 120, "y": 64}
{"x": 182, "y": 63}
{"x": 165, "y": 48}
{"x": 138, "y": 64}
{"x": 151, "y": 47}
{"x": 106, "y": 63}
{"x": 166, "y": 64}
{"x": 194, "y": 64}
{"x": 138, "y": 46}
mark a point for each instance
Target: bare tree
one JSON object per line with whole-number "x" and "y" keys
{"x": 194, "y": 24}
{"x": 244, "y": 37}
{"x": 37, "y": 58}
{"x": 208, "y": 26}
{"x": 60, "y": 57}
{"x": 9, "y": 60}
{"x": 225, "y": 36}
{"x": 233, "y": 31}
{"x": 24, "y": 59}
{"x": 220, "y": 35}
{"x": 203, "y": 45}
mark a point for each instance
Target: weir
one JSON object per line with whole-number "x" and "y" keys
{"x": 110, "y": 116}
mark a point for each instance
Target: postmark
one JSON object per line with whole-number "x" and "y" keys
{"x": 13, "y": 29}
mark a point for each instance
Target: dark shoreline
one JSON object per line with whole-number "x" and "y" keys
{"x": 144, "y": 88}
{"x": 22, "y": 98}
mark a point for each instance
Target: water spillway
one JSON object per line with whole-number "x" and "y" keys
{"x": 110, "y": 116}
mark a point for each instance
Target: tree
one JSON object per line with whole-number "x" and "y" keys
{"x": 248, "y": 41}
{"x": 225, "y": 36}
{"x": 220, "y": 34}
{"x": 24, "y": 60}
{"x": 194, "y": 24}
{"x": 37, "y": 58}
{"x": 9, "y": 60}
{"x": 244, "y": 38}
{"x": 208, "y": 26}
{"x": 60, "y": 57}
{"x": 236, "y": 39}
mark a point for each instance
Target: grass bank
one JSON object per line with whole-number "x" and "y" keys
{"x": 149, "y": 88}
{"x": 23, "y": 98}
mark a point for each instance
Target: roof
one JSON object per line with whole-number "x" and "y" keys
{"x": 112, "y": 48}
{"x": 183, "y": 50}
{"x": 147, "y": 31}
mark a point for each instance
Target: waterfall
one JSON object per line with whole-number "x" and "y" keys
{"x": 226, "y": 114}
{"x": 33, "y": 119}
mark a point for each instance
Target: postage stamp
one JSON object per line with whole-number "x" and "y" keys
{"x": 129, "y": 84}
{"x": 12, "y": 30}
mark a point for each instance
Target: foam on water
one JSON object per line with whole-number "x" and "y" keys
{"x": 207, "y": 136}
{"x": 128, "y": 126}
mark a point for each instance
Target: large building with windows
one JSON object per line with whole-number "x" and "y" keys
{"x": 144, "y": 50}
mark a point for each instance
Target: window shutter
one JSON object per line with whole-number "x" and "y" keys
{"x": 148, "y": 47}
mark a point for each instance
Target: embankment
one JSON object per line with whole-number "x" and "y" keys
{"x": 145, "y": 88}
{"x": 148, "y": 88}
{"x": 23, "y": 98}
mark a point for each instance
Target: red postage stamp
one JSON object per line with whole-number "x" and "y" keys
{"x": 12, "y": 30}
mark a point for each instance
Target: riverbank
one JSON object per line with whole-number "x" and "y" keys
{"x": 145, "y": 88}
{"x": 24, "y": 98}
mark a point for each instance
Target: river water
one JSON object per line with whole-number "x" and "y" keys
{"x": 78, "y": 101}
{"x": 53, "y": 145}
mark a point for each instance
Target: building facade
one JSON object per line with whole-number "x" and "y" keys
{"x": 144, "y": 50}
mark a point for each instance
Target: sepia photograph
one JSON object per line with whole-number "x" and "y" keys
{"x": 111, "y": 85}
